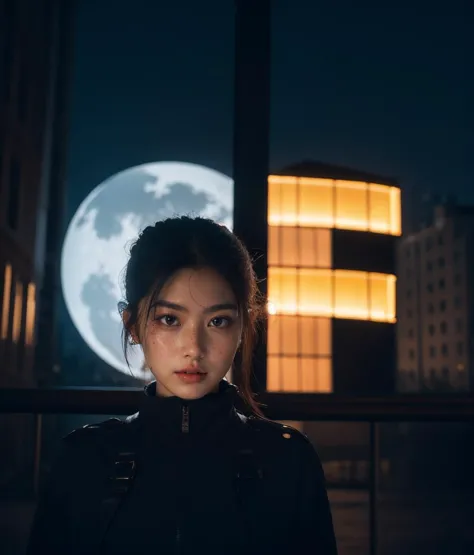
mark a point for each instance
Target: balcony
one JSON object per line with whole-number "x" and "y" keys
{"x": 399, "y": 468}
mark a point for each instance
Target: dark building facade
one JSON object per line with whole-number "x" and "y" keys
{"x": 331, "y": 280}
{"x": 35, "y": 46}
{"x": 35, "y": 64}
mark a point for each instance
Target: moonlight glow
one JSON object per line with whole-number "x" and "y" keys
{"x": 98, "y": 239}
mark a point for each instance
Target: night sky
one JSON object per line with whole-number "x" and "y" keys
{"x": 382, "y": 88}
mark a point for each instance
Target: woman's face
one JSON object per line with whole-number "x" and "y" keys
{"x": 191, "y": 334}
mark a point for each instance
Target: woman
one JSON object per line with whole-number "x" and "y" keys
{"x": 189, "y": 473}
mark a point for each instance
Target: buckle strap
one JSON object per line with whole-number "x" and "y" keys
{"x": 123, "y": 472}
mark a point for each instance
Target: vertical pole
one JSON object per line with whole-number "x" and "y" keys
{"x": 51, "y": 212}
{"x": 251, "y": 146}
{"x": 373, "y": 486}
{"x": 37, "y": 452}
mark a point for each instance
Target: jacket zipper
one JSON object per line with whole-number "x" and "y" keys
{"x": 185, "y": 419}
{"x": 184, "y": 430}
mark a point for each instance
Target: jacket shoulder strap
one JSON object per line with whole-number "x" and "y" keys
{"x": 248, "y": 475}
{"x": 118, "y": 446}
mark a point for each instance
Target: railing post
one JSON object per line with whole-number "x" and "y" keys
{"x": 373, "y": 485}
{"x": 37, "y": 452}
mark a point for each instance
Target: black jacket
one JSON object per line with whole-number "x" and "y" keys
{"x": 207, "y": 481}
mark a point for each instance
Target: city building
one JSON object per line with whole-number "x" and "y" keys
{"x": 35, "y": 47}
{"x": 435, "y": 303}
{"x": 331, "y": 280}
{"x": 35, "y": 61}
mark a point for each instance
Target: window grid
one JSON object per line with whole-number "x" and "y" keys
{"x": 332, "y": 293}
{"x": 329, "y": 203}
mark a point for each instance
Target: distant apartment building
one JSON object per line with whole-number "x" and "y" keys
{"x": 435, "y": 306}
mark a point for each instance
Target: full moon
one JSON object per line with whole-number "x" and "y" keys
{"x": 97, "y": 242}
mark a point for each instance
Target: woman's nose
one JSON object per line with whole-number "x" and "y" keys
{"x": 194, "y": 343}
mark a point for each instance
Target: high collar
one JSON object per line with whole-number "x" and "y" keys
{"x": 170, "y": 418}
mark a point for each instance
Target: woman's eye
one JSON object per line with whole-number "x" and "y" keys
{"x": 168, "y": 320}
{"x": 220, "y": 322}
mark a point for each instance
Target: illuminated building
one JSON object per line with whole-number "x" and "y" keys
{"x": 435, "y": 303}
{"x": 331, "y": 280}
{"x": 34, "y": 75}
{"x": 34, "y": 39}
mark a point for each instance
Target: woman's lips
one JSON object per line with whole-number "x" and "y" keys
{"x": 191, "y": 376}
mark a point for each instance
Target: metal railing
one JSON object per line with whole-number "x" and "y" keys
{"x": 276, "y": 406}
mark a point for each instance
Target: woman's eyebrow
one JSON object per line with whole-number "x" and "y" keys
{"x": 213, "y": 308}
{"x": 168, "y": 304}
{"x": 221, "y": 306}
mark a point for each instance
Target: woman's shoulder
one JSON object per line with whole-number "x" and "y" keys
{"x": 279, "y": 435}
{"x": 100, "y": 438}
{"x": 283, "y": 446}
{"x": 276, "y": 429}
{"x": 90, "y": 432}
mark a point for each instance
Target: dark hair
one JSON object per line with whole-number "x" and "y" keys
{"x": 184, "y": 242}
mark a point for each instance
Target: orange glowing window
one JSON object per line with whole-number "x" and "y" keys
{"x": 299, "y": 335}
{"x": 351, "y": 299}
{"x": 289, "y": 203}
{"x": 384, "y": 209}
{"x": 6, "y": 300}
{"x": 30, "y": 314}
{"x": 382, "y": 297}
{"x": 379, "y": 205}
{"x": 351, "y": 205}
{"x": 291, "y": 374}
{"x": 274, "y": 245}
{"x": 309, "y": 248}
{"x": 282, "y": 195}
{"x": 273, "y": 334}
{"x": 282, "y": 290}
{"x": 288, "y": 251}
{"x": 314, "y": 336}
{"x": 17, "y": 312}
{"x": 314, "y": 292}
{"x": 309, "y": 374}
{"x": 395, "y": 211}
{"x": 315, "y": 202}
{"x": 299, "y": 246}
{"x": 289, "y": 335}
{"x": 332, "y": 293}
{"x": 274, "y": 202}
{"x": 323, "y": 251}
{"x": 324, "y": 382}
{"x": 289, "y": 378}
{"x": 273, "y": 373}
{"x": 299, "y": 350}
